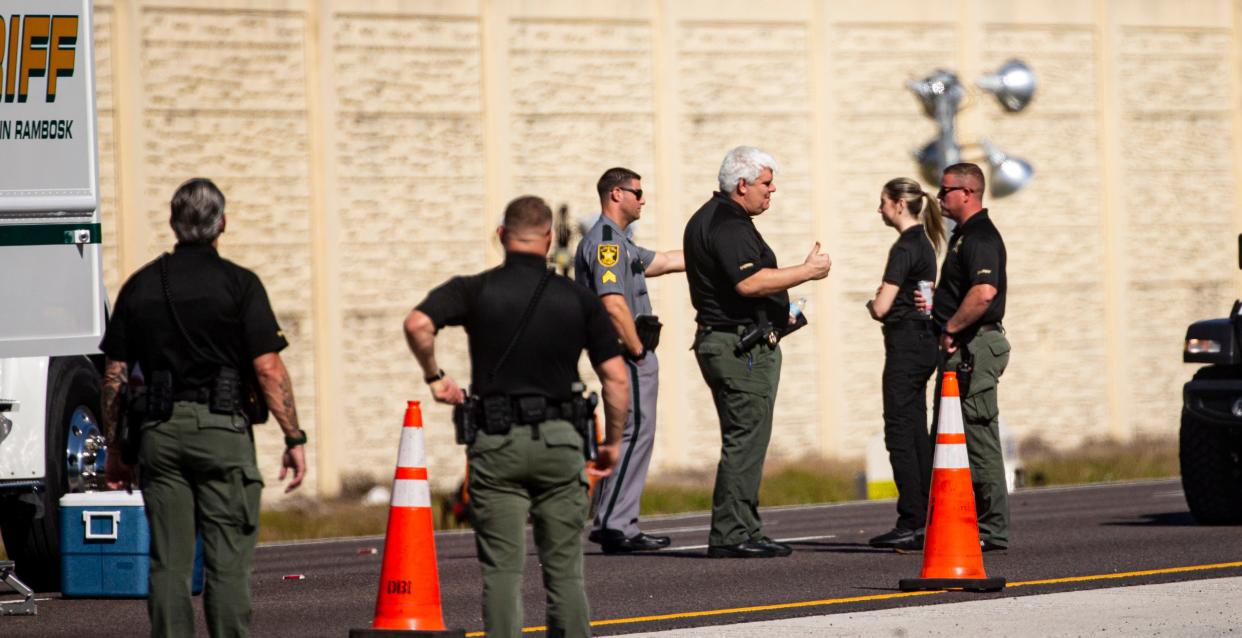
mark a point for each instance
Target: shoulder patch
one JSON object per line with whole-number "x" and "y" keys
{"x": 746, "y": 266}
{"x": 607, "y": 254}
{"x": 984, "y": 271}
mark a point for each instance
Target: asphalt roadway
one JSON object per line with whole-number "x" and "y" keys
{"x": 1077, "y": 539}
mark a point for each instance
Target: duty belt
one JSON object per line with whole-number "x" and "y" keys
{"x": 197, "y": 395}
{"x": 737, "y": 330}
{"x": 989, "y": 327}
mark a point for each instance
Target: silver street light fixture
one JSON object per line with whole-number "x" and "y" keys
{"x": 941, "y": 94}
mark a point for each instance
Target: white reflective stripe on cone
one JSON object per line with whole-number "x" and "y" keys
{"x": 411, "y": 493}
{"x": 951, "y": 456}
{"x": 950, "y": 416}
{"x": 411, "y": 453}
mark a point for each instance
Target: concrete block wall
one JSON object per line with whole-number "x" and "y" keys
{"x": 368, "y": 148}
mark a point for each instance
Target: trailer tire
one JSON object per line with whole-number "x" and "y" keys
{"x": 32, "y": 541}
{"x": 1211, "y": 462}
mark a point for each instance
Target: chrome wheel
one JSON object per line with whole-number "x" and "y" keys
{"x": 84, "y": 452}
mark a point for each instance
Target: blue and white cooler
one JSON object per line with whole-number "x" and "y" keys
{"x": 105, "y": 546}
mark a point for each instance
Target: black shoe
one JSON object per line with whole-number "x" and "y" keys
{"x": 745, "y": 549}
{"x": 898, "y": 538}
{"x": 781, "y": 549}
{"x": 989, "y": 546}
{"x": 614, "y": 542}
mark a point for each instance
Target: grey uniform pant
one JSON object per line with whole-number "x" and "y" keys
{"x": 618, "y": 495}
{"x": 744, "y": 390}
{"x": 513, "y": 476}
{"x": 199, "y": 472}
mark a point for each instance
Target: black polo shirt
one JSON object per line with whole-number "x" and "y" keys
{"x": 911, "y": 260}
{"x": 223, "y": 307}
{"x": 722, "y": 247}
{"x": 976, "y": 255}
{"x": 567, "y": 319}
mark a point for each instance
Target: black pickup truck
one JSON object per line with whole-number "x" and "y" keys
{"x": 1211, "y": 434}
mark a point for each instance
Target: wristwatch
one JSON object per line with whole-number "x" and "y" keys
{"x": 294, "y": 441}
{"x": 435, "y": 377}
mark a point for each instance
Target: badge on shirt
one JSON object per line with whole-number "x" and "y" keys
{"x": 607, "y": 254}
{"x": 608, "y": 278}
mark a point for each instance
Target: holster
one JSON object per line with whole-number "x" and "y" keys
{"x": 465, "y": 420}
{"x": 755, "y": 335}
{"x": 965, "y": 369}
{"x": 233, "y": 394}
{"x": 151, "y": 401}
{"x": 648, "y": 327}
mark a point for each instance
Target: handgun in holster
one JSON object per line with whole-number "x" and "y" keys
{"x": 466, "y": 420}
{"x": 583, "y": 419}
{"x": 965, "y": 368}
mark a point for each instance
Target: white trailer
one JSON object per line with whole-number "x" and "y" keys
{"x": 52, "y": 299}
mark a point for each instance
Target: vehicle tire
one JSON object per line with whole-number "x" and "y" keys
{"x": 33, "y": 541}
{"x": 1211, "y": 461}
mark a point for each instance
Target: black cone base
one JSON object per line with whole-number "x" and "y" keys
{"x": 966, "y": 584}
{"x": 405, "y": 633}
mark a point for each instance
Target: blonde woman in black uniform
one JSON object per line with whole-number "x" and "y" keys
{"x": 910, "y": 352}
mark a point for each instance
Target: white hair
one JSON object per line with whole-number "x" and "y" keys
{"x": 743, "y": 162}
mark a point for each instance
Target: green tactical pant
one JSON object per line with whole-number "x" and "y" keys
{"x": 199, "y": 466}
{"x": 512, "y": 475}
{"x": 744, "y": 390}
{"x": 981, "y": 416}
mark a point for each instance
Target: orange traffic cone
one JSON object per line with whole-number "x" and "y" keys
{"x": 409, "y": 591}
{"x": 952, "y": 558}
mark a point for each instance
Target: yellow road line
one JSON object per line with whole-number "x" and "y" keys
{"x": 858, "y": 599}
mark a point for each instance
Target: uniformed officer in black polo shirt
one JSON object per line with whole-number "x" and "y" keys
{"x": 743, "y": 309}
{"x": 969, "y": 305}
{"x": 910, "y": 352}
{"x": 196, "y": 331}
{"x": 526, "y": 329}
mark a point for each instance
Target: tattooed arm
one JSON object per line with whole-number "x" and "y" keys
{"x": 278, "y": 390}
{"x": 117, "y": 474}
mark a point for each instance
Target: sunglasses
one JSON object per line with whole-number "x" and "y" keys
{"x": 945, "y": 190}
{"x": 638, "y": 192}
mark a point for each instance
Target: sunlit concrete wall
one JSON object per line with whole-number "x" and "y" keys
{"x": 367, "y": 149}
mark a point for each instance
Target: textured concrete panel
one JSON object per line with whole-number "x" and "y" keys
{"x": 105, "y": 105}
{"x": 397, "y": 118}
{"x": 225, "y": 98}
{"x": 1174, "y": 129}
{"x": 409, "y": 153}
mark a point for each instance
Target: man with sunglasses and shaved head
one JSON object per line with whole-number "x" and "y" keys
{"x": 611, "y": 265}
{"x": 969, "y": 305}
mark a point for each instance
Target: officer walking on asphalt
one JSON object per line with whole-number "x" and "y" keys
{"x": 200, "y": 333}
{"x": 743, "y": 309}
{"x": 610, "y": 264}
{"x": 969, "y": 305}
{"x": 526, "y": 329}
